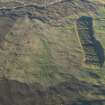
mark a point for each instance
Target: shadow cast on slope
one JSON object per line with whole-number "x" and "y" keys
{"x": 100, "y": 52}
{"x": 88, "y": 41}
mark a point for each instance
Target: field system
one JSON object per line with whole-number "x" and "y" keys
{"x": 92, "y": 48}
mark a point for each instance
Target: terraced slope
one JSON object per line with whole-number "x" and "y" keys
{"x": 41, "y": 58}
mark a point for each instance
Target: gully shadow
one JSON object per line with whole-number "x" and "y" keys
{"x": 92, "y": 47}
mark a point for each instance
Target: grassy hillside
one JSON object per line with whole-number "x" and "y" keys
{"x": 41, "y": 59}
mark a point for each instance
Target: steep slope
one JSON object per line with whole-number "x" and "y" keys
{"x": 41, "y": 59}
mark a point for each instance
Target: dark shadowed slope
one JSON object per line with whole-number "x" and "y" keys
{"x": 66, "y": 93}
